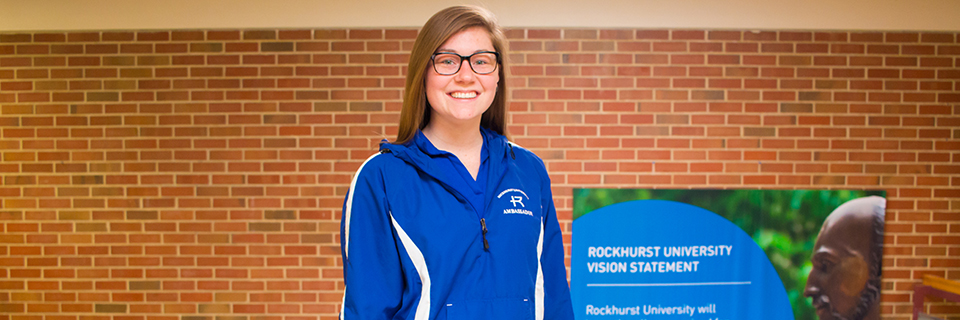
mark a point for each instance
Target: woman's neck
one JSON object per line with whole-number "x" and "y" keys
{"x": 464, "y": 143}
{"x": 454, "y": 139}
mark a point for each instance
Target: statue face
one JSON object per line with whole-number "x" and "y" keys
{"x": 841, "y": 266}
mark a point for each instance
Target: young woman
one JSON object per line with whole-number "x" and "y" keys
{"x": 451, "y": 221}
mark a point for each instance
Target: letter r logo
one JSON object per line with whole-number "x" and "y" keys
{"x": 515, "y": 200}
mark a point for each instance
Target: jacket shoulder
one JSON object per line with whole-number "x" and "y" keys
{"x": 522, "y": 153}
{"x": 377, "y": 164}
{"x": 527, "y": 159}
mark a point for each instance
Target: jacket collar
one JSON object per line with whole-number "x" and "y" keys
{"x": 498, "y": 150}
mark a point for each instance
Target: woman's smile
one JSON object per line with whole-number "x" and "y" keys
{"x": 464, "y": 95}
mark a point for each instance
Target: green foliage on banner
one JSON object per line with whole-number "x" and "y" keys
{"x": 784, "y": 223}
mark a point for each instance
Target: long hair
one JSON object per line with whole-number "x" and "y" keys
{"x": 415, "y": 113}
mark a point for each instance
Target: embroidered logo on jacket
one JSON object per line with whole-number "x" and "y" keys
{"x": 516, "y": 198}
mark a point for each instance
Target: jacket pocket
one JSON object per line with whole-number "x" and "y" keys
{"x": 507, "y": 309}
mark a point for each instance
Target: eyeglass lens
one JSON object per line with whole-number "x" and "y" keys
{"x": 480, "y": 62}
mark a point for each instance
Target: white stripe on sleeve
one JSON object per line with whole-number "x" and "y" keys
{"x": 349, "y": 209}
{"x": 423, "y": 308}
{"x": 539, "y": 290}
{"x": 346, "y": 227}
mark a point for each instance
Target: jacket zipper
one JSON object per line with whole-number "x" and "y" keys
{"x": 483, "y": 222}
{"x": 483, "y": 228}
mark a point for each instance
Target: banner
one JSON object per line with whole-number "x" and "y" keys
{"x": 726, "y": 254}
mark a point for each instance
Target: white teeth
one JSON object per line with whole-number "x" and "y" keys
{"x": 464, "y": 95}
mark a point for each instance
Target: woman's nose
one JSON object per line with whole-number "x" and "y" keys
{"x": 466, "y": 72}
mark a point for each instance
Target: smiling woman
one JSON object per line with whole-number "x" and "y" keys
{"x": 429, "y": 230}
{"x": 459, "y": 98}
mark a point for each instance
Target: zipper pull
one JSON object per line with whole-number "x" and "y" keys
{"x": 483, "y": 227}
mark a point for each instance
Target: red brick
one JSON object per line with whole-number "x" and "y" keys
{"x": 795, "y": 36}
{"x": 653, "y": 34}
{"x": 812, "y": 48}
{"x": 847, "y": 48}
{"x": 724, "y": 35}
{"x": 741, "y": 47}
{"x": 669, "y": 46}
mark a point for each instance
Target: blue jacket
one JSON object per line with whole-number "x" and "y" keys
{"x": 414, "y": 248}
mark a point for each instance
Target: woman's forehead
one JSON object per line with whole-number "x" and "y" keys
{"x": 471, "y": 39}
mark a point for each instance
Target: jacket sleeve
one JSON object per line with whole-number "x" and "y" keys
{"x": 557, "y": 304}
{"x": 371, "y": 263}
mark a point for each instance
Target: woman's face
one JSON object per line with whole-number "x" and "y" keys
{"x": 461, "y": 98}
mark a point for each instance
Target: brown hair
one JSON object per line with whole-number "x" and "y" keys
{"x": 415, "y": 113}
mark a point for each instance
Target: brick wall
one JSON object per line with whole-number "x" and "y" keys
{"x": 198, "y": 175}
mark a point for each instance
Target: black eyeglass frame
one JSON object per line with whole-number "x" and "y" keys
{"x": 433, "y": 60}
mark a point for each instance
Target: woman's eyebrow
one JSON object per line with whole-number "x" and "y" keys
{"x": 454, "y": 51}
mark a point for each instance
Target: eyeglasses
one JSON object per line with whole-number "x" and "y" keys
{"x": 448, "y": 63}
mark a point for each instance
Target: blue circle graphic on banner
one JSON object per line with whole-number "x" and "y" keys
{"x": 655, "y": 259}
